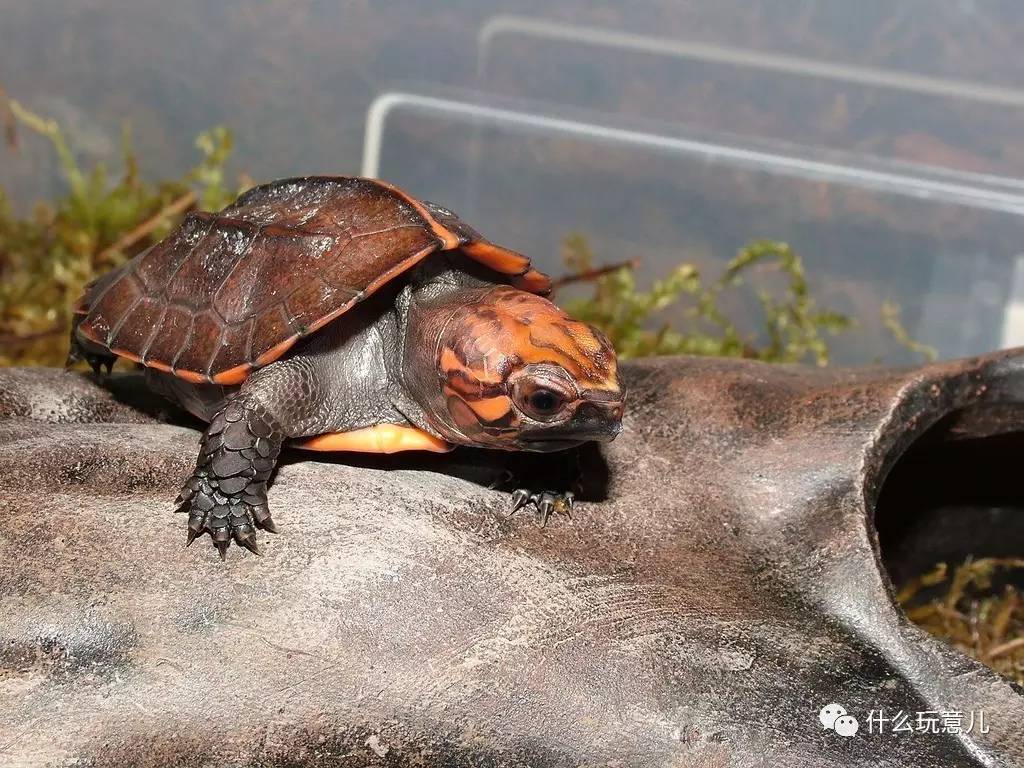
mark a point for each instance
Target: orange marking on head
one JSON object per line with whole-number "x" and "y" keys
{"x": 382, "y": 438}
{"x": 465, "y": 417}
{"x": 512, "y": 326}
{"x": 568, "y": 343}
{"x": 455, "y": 387}
{"x": 491, "y": 408}
{"x": 450, "y": 363}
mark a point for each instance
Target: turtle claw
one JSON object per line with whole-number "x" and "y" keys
{"x": 222, "y": 547}
{"x": 545, "y": 506}
{"x": 248, "y": 540}
{"x": 226, "y": 517}
{"x": 546, "y": 503}
{"x": 261, "y": 515}
{"x": 520, "y": 497}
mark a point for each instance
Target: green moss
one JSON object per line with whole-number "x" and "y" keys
{"x": 794, "y": 328}
{"x": 47, "y": 257}
{"x": 968, "y": 610}
{"x": 892, "y": 318}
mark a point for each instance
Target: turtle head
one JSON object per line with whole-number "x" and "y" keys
{"x": 518, "y": 373}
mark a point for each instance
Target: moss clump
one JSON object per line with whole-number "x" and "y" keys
{"x": 792, "y": 327}
{"x": 966, "y": 608}
{"x": 47, "y": 258}
{"x": 892, "y": 318}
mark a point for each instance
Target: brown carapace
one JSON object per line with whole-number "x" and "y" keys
{"x": 337, "y": 313}
{"x": 232, "y": 291}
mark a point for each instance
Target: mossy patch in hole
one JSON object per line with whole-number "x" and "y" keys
{"x": 976, "y": 607}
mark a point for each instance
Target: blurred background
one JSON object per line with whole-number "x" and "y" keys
{"x": 882, "y": 140}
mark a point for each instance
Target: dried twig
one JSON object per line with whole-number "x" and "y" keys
{"x": 146, "y": 228}
{"x": 13, "y": 339}
{"x": 593, "y": 274}
{"x": 10, "y": 127}
{"x": 1007, "y": 647}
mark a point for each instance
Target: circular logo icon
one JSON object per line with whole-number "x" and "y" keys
{"x": 829, "y": 714}
{"x": 846, "y": 725}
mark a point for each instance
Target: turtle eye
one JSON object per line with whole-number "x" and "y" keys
{"x": 543, "y": 392}
{"x": 541, "y": 400}
{"x": 545, "y": 401}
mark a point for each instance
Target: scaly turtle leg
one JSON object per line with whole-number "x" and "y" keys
{"x": 294, "y": 400}
{"x": 227, "y": 493}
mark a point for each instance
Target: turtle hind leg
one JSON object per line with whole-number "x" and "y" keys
{"x": 97, "y": 357}
{"x": 226, "y": 495}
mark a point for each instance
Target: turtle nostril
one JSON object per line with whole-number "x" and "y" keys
{"x": 600, "y": 418}
{"x": 603, "y": 411}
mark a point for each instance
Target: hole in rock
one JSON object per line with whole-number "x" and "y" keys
{"x": 956, "y": 496}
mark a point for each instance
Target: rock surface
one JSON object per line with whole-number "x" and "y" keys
{"x": 726, "y": 590}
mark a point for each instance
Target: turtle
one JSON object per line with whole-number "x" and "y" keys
{"x": 338, "y": 313}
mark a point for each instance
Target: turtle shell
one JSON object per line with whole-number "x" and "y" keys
{"x": 231, "y": 291}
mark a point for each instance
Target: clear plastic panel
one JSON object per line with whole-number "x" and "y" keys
{"x": 795, "y": 97}
{"x": 943, "y": 247}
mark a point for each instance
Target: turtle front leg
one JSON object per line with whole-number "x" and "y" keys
{"x": 227, "y": 493}
{"x": 549, "y": 502}
{"x": 546, "y": 502}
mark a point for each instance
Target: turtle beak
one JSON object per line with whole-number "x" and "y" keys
{"x": 599, "y": 415}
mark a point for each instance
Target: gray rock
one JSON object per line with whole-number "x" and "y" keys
{"x": 727, "y": 588}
